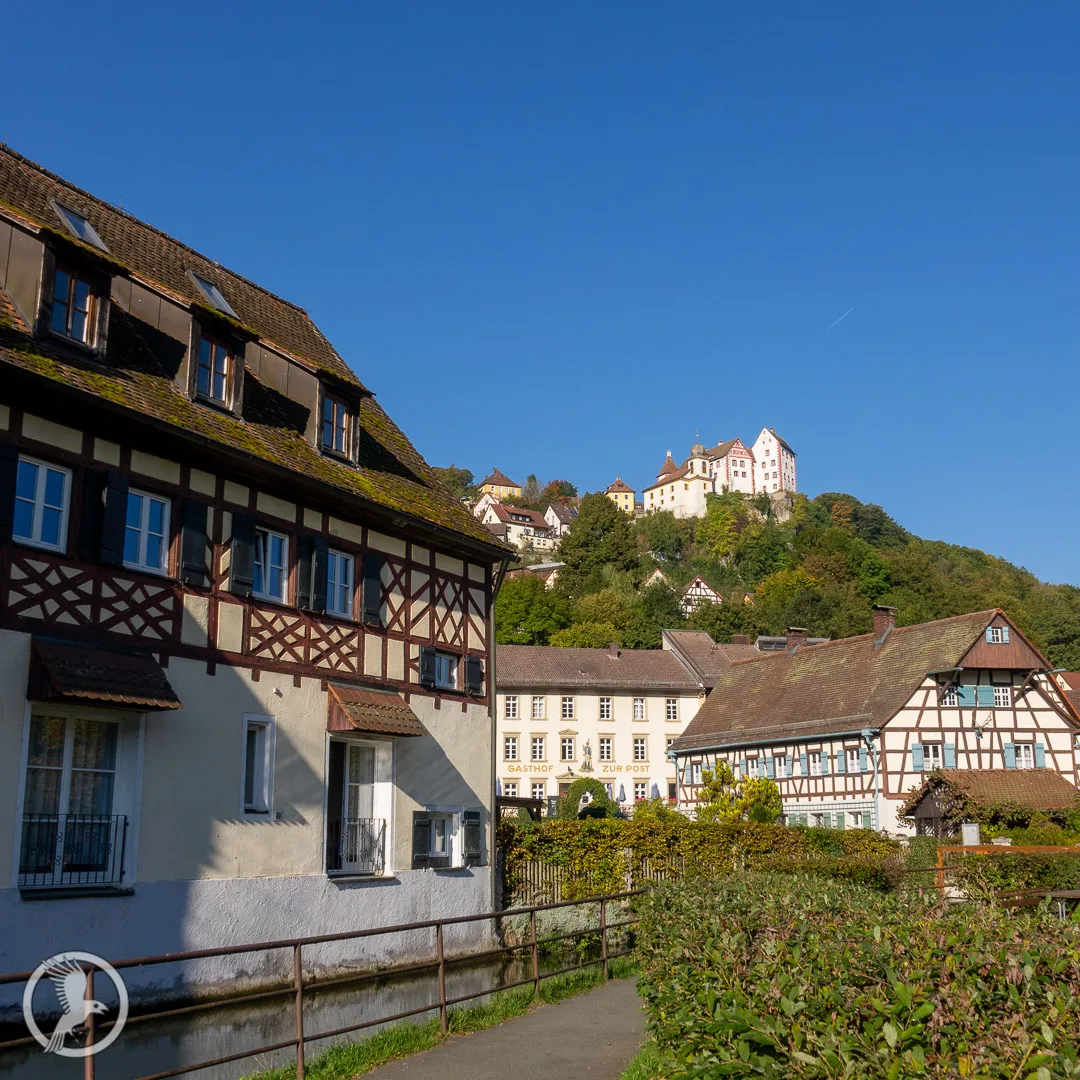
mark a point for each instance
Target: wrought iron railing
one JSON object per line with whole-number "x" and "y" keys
{"x": 356, "y": 846}
{"x": 71, "y": 850}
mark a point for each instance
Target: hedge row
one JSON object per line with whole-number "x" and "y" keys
{"x": 793, "y": 976}
{"x": 599, "y": 855}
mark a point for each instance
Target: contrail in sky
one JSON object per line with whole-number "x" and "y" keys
{"x": 840, "y": 320}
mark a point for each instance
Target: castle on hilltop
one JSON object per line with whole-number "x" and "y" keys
{"x": 767, "y": 466}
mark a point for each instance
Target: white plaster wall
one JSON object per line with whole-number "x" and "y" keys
{"x": 14, "y": 662}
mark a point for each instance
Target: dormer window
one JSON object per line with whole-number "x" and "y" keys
{"x": 212, "y": 381}
{"x": 335, "y": 425}
{"x": 80, "y": 227}
{"x": 214, "y": 295}
{"x": 72, "y": 303}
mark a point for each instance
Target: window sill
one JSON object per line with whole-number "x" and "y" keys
{"x": 345, "y": 878}
{"x": 217, "y": 406}
{"x": 135, "y": 568}
{"x": 336, "y": 455}
{"x": 37, "y": 545}
{"x": 74, "y": 892}
{"x": 83, "y": 347}
{"x": 276, "y": 601}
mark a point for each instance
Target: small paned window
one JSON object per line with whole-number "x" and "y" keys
{"x": 1025, "y": 754}
{"x": 1002, "y": 697}
{"x": 510, "y": 707}
{"x": 538, "y": 748}
{"x": 639, "y": 708}
{"x": 641, "y": 790}
{"x": 340, "y": 569}
{"x": 258, "y": 767}
{"x": 71, "y": 306}
{"x": 932, "y": 756}
{"x": 950, "y": 699}
{"x": 146, "y": 532}
{"x": 212, "y": 381}
{"x": 271, "y": 565}
{"x": 640, "y": 749}
{"x": 538, "y": 707}
{"x": 996, "y": 635}
{"x": 510, "y": 748}
{"x": 605, "y": 708}
{"x": 752, "y": 768}
{"x": 853, "y": 759}
{"x": 41, "y": 504}
{"x": 780, "y": 765}
{"x": 446, "y": 667}
{"x": 80, "y": 227}
{"x": 214, "y": 295}
{"x": 539, "y": 789}
{"x": 568, "y": 708}
{"x": 567, "y": 748}
{"x": 672, "y": 707}
{"x": 335, "y": 424}
{"x": 510, "y": 789}
{"x": 815, "y": 764}
{"x": 606, "y": 743}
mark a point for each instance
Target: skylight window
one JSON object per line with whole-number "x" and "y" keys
{"x": 214, "y": 295}
{"x": 80, "y": 227}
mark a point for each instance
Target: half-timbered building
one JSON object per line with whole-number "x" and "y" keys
{"x": 245, "y": 648}
{"x": 848, "y": 728}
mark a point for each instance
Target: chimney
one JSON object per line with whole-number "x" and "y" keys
{"x": 884, "y": 621}
{"x": 613, "y": 650}
{"x": 796, "y": 636}
{"x": 740, "y": 639}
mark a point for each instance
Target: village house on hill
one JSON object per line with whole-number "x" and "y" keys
{"x": 849, "y": 728}
{"x": 526, "y": 530}
{"x": 245, "y": 637}
{"x": 499, "y": 486}
{"x": 622, "y": 495}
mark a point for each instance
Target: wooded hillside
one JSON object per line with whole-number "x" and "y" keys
{"x": 778, "y": 562}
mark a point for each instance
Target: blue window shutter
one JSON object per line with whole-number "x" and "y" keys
{"x": 1010, "y": 756}
{"x": 1040, "y": 756}
{"x": 841, "y": 764}
{"x": 984, "y": 696}
{"x": 863, "y": 759}
{"x": 804, "y": 764}
{"x": 839, "y": 819}
{"x": 770, "y": 771}
{"x": 989, "y": 637}
{"x": 965, "y": 695}
{"x": 916, "y": 757}
{"x": 950, "y": 755}
{"x": 824, "y": 763}
{"x": 1005, "y": 635}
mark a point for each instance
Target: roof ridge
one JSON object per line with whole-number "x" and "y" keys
{"x": 27, "y": 163}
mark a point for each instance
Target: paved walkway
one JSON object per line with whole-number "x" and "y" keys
{"x": 593, "y": 1035}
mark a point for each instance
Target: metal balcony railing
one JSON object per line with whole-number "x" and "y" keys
{"x": 71, "y": 850}
{"x": 356, "y": 846}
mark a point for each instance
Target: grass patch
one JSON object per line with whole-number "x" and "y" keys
{"x": 347, "y": 1060}
{"x": 646, "y": 1065}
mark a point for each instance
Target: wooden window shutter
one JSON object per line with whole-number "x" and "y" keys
{"x": 841, "y": 763}
{"x": 421, "y": 827}
{"x": 371, "y": 591}
{"x": 984, "y": 696}
{"x": 474, "y": 675}
{"x": 9, "y": 471}
{"x": 770, "y": 768}
{"x": 965, "y": 695}
{"x": 825, "y": 755}
{"x": 864, "y": 762}
{"x": 1010, "y": 756}
{"x": 474, "y": 837}
{"x": 427, "y": 666}
{"x": 193, "y": 519}
{"x": 242, "y": 555}
{"x": 93, "y": 507}
{"x": 1005, "y": 635}
{"x": 1040, "y": 756}
{"x": 989, "y": 635}
{"x": 312, "y": 573}
{"x": 950, "y": 755}
{"x": 113, "y": 519}
{"x": 917, "y": 757}
{"x": 804, "y": 764}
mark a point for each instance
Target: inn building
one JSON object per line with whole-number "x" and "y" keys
{"x": 245, "y": 637}
{"x": 849, "y": 728}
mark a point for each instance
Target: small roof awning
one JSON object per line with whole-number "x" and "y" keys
{"x": 89, "y": 675}
{"x": 376, "y": 712}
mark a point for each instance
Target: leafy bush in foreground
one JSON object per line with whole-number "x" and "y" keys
{"x": 792, "y": 976}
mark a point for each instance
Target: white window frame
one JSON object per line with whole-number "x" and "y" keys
{"x": 813, "y": 762}
{"x": 262, "y": 548}
{"x": 567, "y": 742}
{"x": 1025, "y": 755}
{"x": 539, "y": 707}
{"x": 606, "y": 708}
{"x": 334, "y": 585}
{"x": 510, "y": 748}
{"x": 1003, "y": 697}
{"x": 143, "y": 530}
{"x": 39, "y": 505}
{"x": 262, "y": 805}
{"x": 641, "y": 748}
{"x": 752, "y": 768}
{"x": 510, "y": 707}
{"x": 606, "y": 749}
{"x": 671, "y": 708}
{"x": 950, "y": 698}
{"x": 539, "y": 789}
{"x": 933, "y": 756}
{"x": 780, "y": 766}
{"x": 510, "y": 789}
{"x": 542, "y": 741}
{"x": 446, "y": 663}
{"x": 643, "y": 786}
{"x": 997, "y": 636}
{"x": 853, "y": 759}
{"x": 567, "y": 708}
{"x": 639, "y": 708}
{"x": 452, "y": 833}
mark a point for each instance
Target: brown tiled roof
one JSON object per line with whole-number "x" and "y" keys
{"x": 707, "y": 658}
{"x": 679, "y": 474}
{"x": 74, "y": 673}
{"x": 499, "y": 479}
{"x": 619, "y": 486}
{"x": 1072, "y": 681}
{"x": 782, "y": 442}
{"x": 506, "y": 514}
{"x": 381, "y": 712}
{"x": 565, "y": 514}
{"x": 155, "y": 257}
{"x": 720, "y": 449}
{"x": 527, "y": 666}
{"x": 1040, "y": 789}
{"x": 669, "y": 466}
{"x": 836, "y": 686}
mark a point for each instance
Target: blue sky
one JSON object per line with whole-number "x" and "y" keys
{"x": 562, "y": 238}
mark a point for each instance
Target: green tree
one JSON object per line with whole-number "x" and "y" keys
{"x": 601, "y": 537}
{"x": 760, "y": 800}
{"x": 459, "y": 482}
{"x": 528, "y": 613}
{"x": 718, "y": 796}
{"x": 530, "y": 493}
{"x": 665, "y": 536}
{"x": 600, "y": 806}
{"x": 658, "y": 609}
{"x": 590, "y": 635}
{"x": 722, "y": 621}
{"x": 557, "y": 491}
{"x": 718, "y": 530}
{"x": 609, "y": 605}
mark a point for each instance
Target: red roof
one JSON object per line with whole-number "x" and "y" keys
{"x": 514, "y": 515}
{"x": 619, "y": 485}
{"x": 500, "y": 479}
